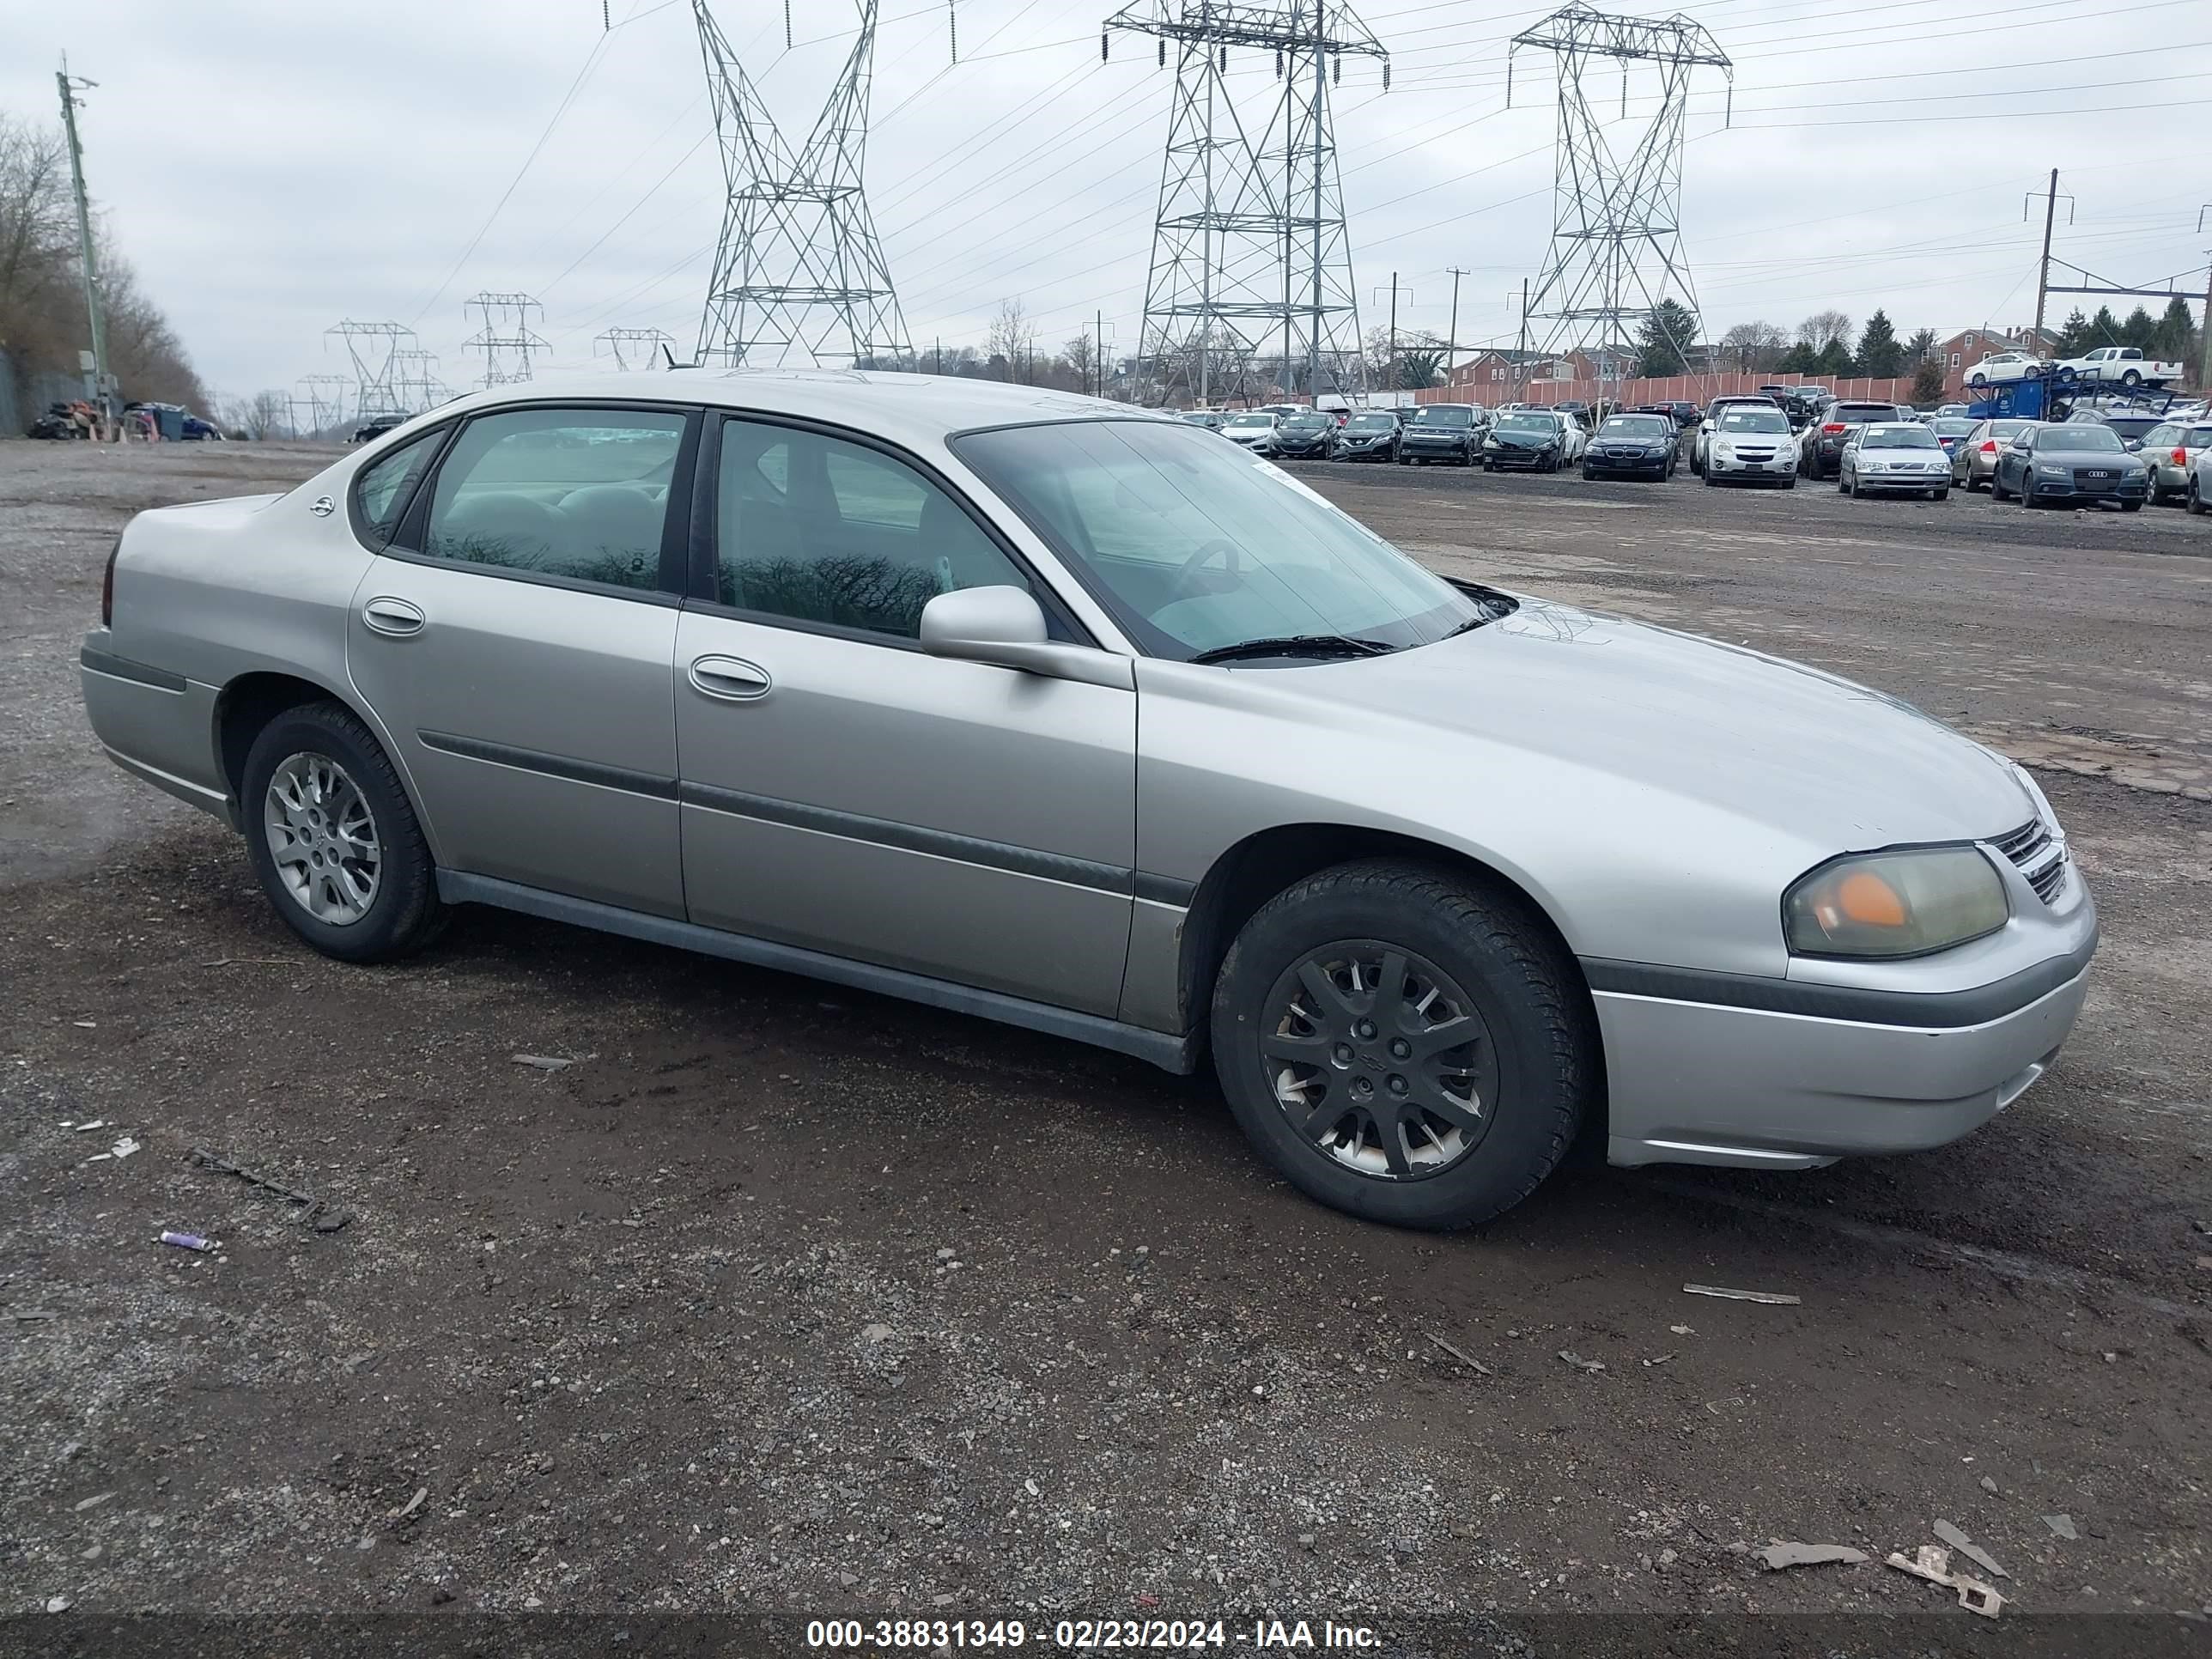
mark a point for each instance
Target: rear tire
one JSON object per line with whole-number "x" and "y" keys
{"x": 1513, "y": 1093}
{"x": 377, "y": 908}
{"x": 2196, "y": 502}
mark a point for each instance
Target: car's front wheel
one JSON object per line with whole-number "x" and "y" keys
{"x": 1403, "y": 1044}
{"x": 334, "y": 840}
{"x": 2195, "y": 499}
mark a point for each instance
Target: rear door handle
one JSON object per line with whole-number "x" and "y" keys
{"x": 729, "y": 679}
{"x": 395, "y": 617}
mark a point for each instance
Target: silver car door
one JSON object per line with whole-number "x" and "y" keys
{"x": 517, "y": 641}
{"x": 843, "y": 792}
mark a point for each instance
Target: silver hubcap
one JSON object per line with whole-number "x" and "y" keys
{"x": 323, "y": 838}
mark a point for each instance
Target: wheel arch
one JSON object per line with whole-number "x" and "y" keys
{"x": 248, "y": 701}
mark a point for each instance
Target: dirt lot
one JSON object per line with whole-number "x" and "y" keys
{"x": 784, "y": 1299}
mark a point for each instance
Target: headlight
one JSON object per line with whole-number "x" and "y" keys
{"x": 1894, "y": 904}
{"x": 2044, "y": 470}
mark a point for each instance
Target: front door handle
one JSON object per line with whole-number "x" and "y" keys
{"x": 730, "y": 679}
{"x": 395, "y": 617}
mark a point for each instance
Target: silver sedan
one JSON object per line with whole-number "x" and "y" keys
{"x": 1042, "y": 709}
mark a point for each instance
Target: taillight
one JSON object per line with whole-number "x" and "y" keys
{"x": 1832, "y": 428}
{"x": 2181, "y": 458}
{"x": 108, "y": 587}
{"x": 1989, "y": 445}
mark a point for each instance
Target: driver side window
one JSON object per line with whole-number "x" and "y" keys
{"x": 814, "y": 529}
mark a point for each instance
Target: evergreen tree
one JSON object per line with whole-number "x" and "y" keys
{"x": 1920, "y": 347}
{"x": 2139, "y": 329}
{"x": 2074, "y": 338}
{"x": 1670, "y": 328}
{"x": 1880, "y": 356}
{"x": 1928, "y": 382}
{"x": 2104, "y": 328}
{"x": 1800, "y": 359}
{"x": 2176, "y": 334}
{"x": 1833, "y": 359}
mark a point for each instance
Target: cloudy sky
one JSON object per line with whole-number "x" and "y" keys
{"x": 273, "y": 168}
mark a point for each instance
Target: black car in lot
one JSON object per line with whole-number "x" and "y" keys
{"x": 1441, "y": 432}
{"x": 1821, "y": 456}
{"x": 2069, "y": 465}
{"x": 1527, "y": 439}
{"x": 1640, "y": 446}
{"x": 1369, "y": 435}
{"x": 376, "y": 425}
{"x": 1308, "y": 436}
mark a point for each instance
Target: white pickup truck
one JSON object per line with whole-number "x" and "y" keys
{"x": 2118, "y": 366}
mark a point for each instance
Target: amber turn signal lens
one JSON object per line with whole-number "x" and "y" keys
{"x": 1864, "y": 897}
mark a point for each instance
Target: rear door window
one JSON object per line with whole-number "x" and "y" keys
{"x": 577, "y": 494}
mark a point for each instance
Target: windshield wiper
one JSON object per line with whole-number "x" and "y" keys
{"x": 1296, "y": 644}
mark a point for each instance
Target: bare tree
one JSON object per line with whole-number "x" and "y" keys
{"x": 1824, "y": 329}
{"x": 1753, "y": 347}
{"x": 1082, "y": 359}
{"x": 1013, "y": 339}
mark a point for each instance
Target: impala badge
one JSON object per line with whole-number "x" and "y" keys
{"x": 323, "y": 506}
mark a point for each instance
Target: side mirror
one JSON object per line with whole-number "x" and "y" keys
{"x": 1005, "y": 626}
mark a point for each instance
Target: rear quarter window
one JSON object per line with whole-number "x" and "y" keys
{"x": 382, "y": 488}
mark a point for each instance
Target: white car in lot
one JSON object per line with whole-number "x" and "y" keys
{"x": 1749, "y": 443}
{"x": 2004, "y": 367}
{"x": 1899, "y": 456}
{"x": 1255, "y": 429}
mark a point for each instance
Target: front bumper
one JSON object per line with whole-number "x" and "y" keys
{"x": 1782, "y": 466}
{"x": 1628, "y": 465}
{"x": 1916, "y": 482}
{"x": 1530, "y": 460}
{"x": 2060, "y": 490}
{"x": 1817, "y": 1074}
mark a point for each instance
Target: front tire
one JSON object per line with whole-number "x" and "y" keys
{"x": 334, "y": 840}
{"x": 1404, "y": 1044}
{"x": 2195, "y": 501}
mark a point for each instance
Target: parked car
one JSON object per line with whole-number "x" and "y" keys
{"x": 1974, "y": 462}
{"x": 2069, "y": 465}
{"x": 1308, "y": 436}
{"x": 1634, "y": 446}
{"x": 1441, "y": 432}
{"x": 1211, "y": 419}
{"x": 1703, "y": 441}
{"x": 2004, "y": 367}
{"x": 1890, "y": 457}
{"x": 1255, "y": 429}
{"x": 1751, "y": 443}
{"x": 2116, "y": 365}
{"x": 2134, "y": 426}
{"x": 1525, "y": 440}
{"x": 2169, "y": 450}
{"x": 1951, "y": 409}
{"x": 1795, "y": 402}
{"x": 2199, "y": 497}
{"x": 1005, "y": 700}
{"x": 1950, "y": 430}
{"x": 1822, "y": 453}
{"x": 1369, "y": 435}
{"x": 376, "y": 425}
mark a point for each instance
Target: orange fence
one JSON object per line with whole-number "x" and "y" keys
{"x": 1678, "y": 388}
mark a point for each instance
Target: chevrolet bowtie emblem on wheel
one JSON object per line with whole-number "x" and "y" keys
{"x": 323, "y": 506}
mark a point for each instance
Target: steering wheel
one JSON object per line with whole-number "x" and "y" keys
{"x": 1186, "y": 580}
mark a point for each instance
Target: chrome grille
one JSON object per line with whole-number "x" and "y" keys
{"x": 2037, "y": 857}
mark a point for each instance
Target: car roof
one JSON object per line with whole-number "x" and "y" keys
{"x": 913, "y": 408}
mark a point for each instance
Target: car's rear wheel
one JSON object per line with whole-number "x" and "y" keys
{"x": 1403, "y": 1044}
{"x": 334, "y": 840}
{"x": 2195, "y": 501}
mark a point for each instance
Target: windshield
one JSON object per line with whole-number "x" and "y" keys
{"x": 1915, "y": 437}
{"x": 2008, "y": 428}
{"x": 1637, "y": 426}
{"x": 1950, "y": 426}
{"x": 1307, "y": 422}
{"x": 1247, "y": 421}
{"x": 1372, "y": 422}
{"x": 2077, "y": 441}
{"x": 1193, "y": 545}
{"x": 1752, "y": 420}
{"x": 1443, "y": 414}
{"x": 1201, "y": 419}
{"x": 1527, "y": 424}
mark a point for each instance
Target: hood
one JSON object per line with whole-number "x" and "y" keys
{"x": 1816, "y": 757}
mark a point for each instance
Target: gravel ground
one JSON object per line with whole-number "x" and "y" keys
{"x": 787, "y": 1302}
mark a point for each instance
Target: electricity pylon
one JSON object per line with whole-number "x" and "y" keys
{"x": 633, "y": 348}
{"x": 800, "y": 275}
{"x": 505, "y": 338}
{"x": 1250, "y": 252}
{"x": 325, "y": 399}
{"x": 415, "y": 381}
{"x": 1616, "y": 248}
{"x": 374, "y": 348}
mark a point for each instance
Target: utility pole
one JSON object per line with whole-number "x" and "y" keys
{"x": 2204, "y": 334}
{"x": 1521, "y": 353}
{"x": 2043, "y": 270}
{"x": 1098, "y": 351}
{"x": 69, "y": 85}
{"x": 1452, "y": 337}
{"x": 1394, "y": 377}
